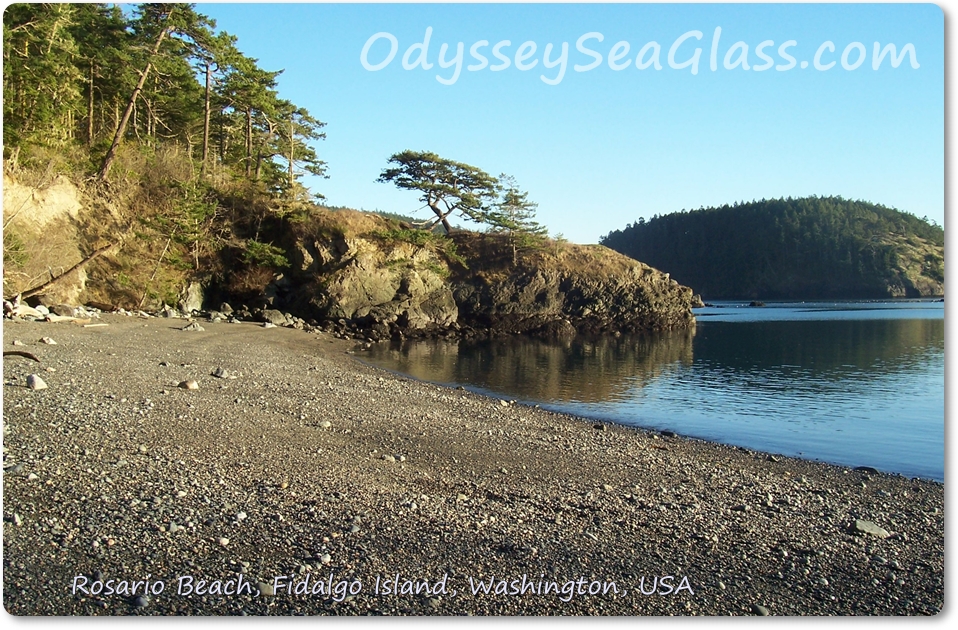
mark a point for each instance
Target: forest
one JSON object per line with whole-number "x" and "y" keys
{"x": 814, "y": 247}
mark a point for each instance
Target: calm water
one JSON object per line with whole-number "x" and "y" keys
{"x": 853, "y": 383}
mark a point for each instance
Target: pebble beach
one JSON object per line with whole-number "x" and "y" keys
{"x": 235, "y": 469}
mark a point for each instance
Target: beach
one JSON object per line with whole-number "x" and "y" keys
{"x": 300, "y": 480}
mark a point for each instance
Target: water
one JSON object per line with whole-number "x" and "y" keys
{"x": 851, "y": 383}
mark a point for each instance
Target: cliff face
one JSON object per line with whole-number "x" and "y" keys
{"x": 390, "y": 284}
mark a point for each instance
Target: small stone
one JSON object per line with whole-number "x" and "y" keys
{"x": 32, "y": 477}
{"x": 180, "y": 493}
{"x": 389, "y": 458}
{"x": 668, "y": 434}
{"x": 461, "y": 497}
{"x": 607, "y": 487}
{"x": 740, "y": 508}
{"x": 17, "y": 342}
{"x": 48, "y": 341}
{"x": 326, "y": 558}
{"x": 867, "y": 527}
{"x": 241, "y": 516}
{"x": 268, "y": 325}
{"x": 220, "y": 373}
{"x": 188, "y": 385}
{"x": 35, "y": 382}
{"x": 402, "y": 458}
{"x": 504, "y": 403}
{"x": 354, "y": 529}
{"x": 760, "y": 610}
{"x": 223, "y": 541}
{"x": 140, "y": 601}
{"x": 265, "y": 589}
{"x": 17, "y": 520}
{"x": 599, "y": 427}
{"x": 173, "y": 528}
{"x": 325, "y": 424}
{"x": 193, "y": 327}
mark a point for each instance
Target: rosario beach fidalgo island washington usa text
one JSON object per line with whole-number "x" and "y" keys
{"x": 473, "y": 309}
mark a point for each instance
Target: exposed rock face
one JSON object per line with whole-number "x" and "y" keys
{"x": 397, "y": 285}
{"x": 641, "y": 299}
{"x": 394, "y": 287}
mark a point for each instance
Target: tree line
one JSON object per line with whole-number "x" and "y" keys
{"x": 89, "y": 74}
{"x": 785, "y": 248}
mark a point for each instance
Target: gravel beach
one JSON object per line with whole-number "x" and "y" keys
{"x": 348, "y": 490}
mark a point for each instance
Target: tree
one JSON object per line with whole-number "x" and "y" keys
{"x": 159, "y": 22}
{"x": 514, "y": 215}
{"x": 447, "y": 187}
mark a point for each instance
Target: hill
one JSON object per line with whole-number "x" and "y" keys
{"x": 808, "y": 248}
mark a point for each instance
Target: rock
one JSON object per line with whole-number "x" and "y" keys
{"x": 389, "y": 458}
{"x": 670, "y": 434}
{"x": 504, "y": 403}
{"x": 140, "y": 601}
{"x": 607, "y": 487}
{"x": 226, "y": 309}
{"x": 740, "y": 508}
{"x": 756, "y": 303}
{"x": 867, "y": 469}
{"x": 223, "y": 541}
{"x": 600, "y": 427}
{"x": 17, "y": 342}
{"x": 354, "y": 529}
{"x": 268, "y": 325}
{"x": 867, "y": 527}
{"x": 241, "y": 516}
{"x": 265, "y": 589}
{"x": 168, "y": 311}
{"x": 220, "y": 373}
{"x": 48, "y": 341}
{"x": 274, "y": 317}
{"x": 42, "y": 309}
{"x": 193, "y": 326}
{"x": 188, "y": 385}
{"x": 17, "y": 519}
{"x": 325, "y": 558}
{"x": 35, "y": 382}
{"x": 192, "y": 298}
{"x": 325, "y": 424}
{"x": 761, "y": 611}
{"x": 64, "y": 310}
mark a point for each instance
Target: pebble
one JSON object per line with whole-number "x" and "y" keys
{"x": 141, "y": 601}
{"x": 268, "y": 325}
{"x": 220, "y": 373}
{"x": 223, "y": 541}
{"x": 867, "y": 527}
{"x": 193, "y": 327}
{"x": 265, "y": 589}
{"x": 325, "y": 558}
{"x": 325, "y": 424}
{"x": 48, "y": 341}
{"x": 188, "y": 385}
{"x": 17, "y": 342}
{"x": 241, "y": 516}
{"x": 389, "y": 458}
{"x": 35, "y": 382}
{"x": 760, "y": 610}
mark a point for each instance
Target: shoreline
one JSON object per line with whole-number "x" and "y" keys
{"x": 244, "y": 477}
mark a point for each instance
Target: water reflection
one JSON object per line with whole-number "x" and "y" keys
{"x": 578, "y": 370}
{"x": 857, "y": 392}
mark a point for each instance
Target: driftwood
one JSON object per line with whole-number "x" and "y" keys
{"x": 83, "y": 262}
{"x": 20, "y": 353}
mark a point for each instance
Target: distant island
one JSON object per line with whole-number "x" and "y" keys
{"x": 808, "y": 248}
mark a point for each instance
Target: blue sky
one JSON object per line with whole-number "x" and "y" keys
{"x": 603, "y": 147}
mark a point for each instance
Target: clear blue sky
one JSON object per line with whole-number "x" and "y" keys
{"x": 604, "y": 147}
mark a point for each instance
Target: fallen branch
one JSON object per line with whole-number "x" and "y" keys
{"x": 83, "y": 262}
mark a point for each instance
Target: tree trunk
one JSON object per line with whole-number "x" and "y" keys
{"x": 249, "y": 141}
{"x": 291, "y": 149}
{"x": 121, "y": 128}
{"x": 206, "y": 123}
{"x": 89, "y": 110}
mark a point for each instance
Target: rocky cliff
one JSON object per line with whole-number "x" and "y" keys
{"x": 369, "y": 272}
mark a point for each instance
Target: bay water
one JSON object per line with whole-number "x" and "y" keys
{"x": 850, "y": 383}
